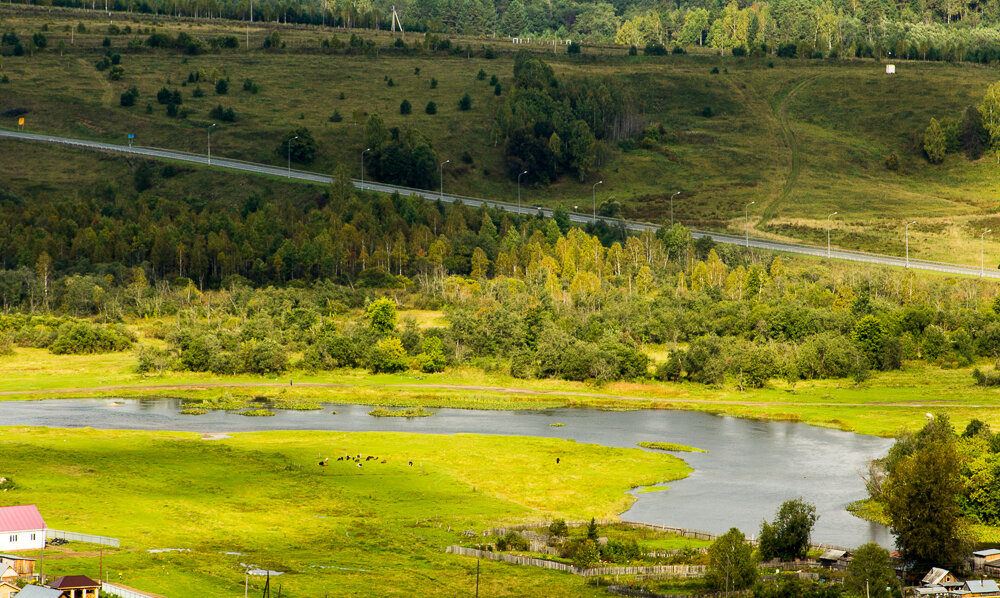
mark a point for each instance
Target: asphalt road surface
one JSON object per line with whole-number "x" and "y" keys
{"x": 579, "y": 218}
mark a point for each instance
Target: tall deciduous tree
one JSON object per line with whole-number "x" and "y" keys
{"x": 922, "y": 502}
{"x": 935, "y": 145}
{"x": 787, "y": 537}
{"x": 731, "y": 562}
{"x": 870, "y": 572}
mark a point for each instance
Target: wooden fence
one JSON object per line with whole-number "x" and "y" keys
{"x": 654, "y": 570}
{"x": 680, "y": 531}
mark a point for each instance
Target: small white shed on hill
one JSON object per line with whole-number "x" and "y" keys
{"x": 890, "y": 69}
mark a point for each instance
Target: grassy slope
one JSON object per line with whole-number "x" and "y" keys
{"x": 802, "y": 139}
{"x": 376, "y": 530}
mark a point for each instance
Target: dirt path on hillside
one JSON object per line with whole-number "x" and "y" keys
{"x": 795, "y": 166}
{"x": 663, "y": 402}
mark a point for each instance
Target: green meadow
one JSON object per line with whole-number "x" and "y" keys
{"x": 380, "y": 529}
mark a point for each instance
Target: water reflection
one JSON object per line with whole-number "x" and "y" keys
{"x": 751, "y": 467}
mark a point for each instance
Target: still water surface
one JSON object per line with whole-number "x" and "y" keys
{"x": 751, "y": 467}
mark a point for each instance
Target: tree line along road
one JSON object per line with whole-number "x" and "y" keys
{"x": 575, "y": 217}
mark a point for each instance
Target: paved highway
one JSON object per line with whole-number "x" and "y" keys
{"x": 580, "y": 218}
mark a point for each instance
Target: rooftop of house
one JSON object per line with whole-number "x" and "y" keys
{"x": 20, "y": 518}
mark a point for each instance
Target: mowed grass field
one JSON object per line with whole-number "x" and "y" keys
{"x": 377, "y": 530}
{"x": 802, "y": 139}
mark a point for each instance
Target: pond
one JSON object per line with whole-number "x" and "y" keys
{"x": 750, "y": 468}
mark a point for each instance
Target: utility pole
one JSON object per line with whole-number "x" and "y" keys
{"x": 477, "y": 578}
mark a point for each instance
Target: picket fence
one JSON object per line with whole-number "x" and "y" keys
{"x": 655, "y": 570}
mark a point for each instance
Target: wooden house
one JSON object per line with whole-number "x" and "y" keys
{"x": 981, "y": 558}
{"x": 975, "y": 588}
{"x": 835, "y": 559}
{"x": 8, "y": 574}
{"x": 76, "y": 586}
{"x": 8, "y": 589}
{"x": 938, "y": 577}
{"x": 24, "y": 566}
{"x": 21, "y": 528}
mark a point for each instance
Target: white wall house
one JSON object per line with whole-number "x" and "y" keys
{"x": 21, "y": 528}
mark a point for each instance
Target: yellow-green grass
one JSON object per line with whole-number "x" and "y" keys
{"x": 841, "y": 119}
{"x": 671, "y": 446}
{"x": 377, "y": 530}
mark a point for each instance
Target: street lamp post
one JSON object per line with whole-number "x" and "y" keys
{"x": 441, "y": 196}
{"x": 594, "y": 191}
{"x": 828, "y": 234}
{"x": 746, "y": 216}
{"x": 363, "y": 167}
{"x": 672, "y": 207}
{"x": 908, "y": 225}
{"x": 289, "y": 175}
{"x": 981, "y": 253}
{"x": 210, "y": 144}
{"x": 519, "y": 190}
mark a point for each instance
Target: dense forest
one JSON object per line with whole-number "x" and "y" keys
{"x": 527, "y": 295}
{"x": 917, "y": 29}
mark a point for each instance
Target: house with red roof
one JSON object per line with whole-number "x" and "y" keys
{"x": 21, "y": 528}
{"x": 76, "y": 586}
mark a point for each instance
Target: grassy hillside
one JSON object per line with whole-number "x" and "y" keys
{"x": 801, "y": 139}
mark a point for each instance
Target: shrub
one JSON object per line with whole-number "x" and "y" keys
{"x": 432, "y": 358}
{"x": 164, "y": 96}
{"x": 573, "y": 48}
{"x": 497, "y": 89}
{"x": 303, "y": 149}
{"x": 129, "y": 97}
{"x": 678, "y": 50}
{"x": 559, "y": 528}
{"x": 198, "y": 93}
{"x": 586, "y": 554}
{"x": 489, "y": 54}
{"x": 272, "y": 41}
{"x": 654, "y": 49}
{"x": 151, "y": 360}
{"x": 481, "y": 75}
{"x": 633, "y": 51}
{"x": 740, "y": 51}
{"x": 707, "y": 112}
{"x": 222, "y": 86}
{"x": 171, "y": 109}
{"x": 223, "y": 114}
{"x": 465, "y": 103}
{"x": 405, "y": 107}
{"x": 84, "y": 337}
{"x": 107, "y": 42}
{"x": 262, "y": 357}
{"x": 984, "y": 378}
{"x": 336, "y": 117}
{"x": 249, "y": 85}
{"x": 494, "y": 80}
{"x": 434, "y": 83}
{"x": 116, "y": 73}
{"x": 388, "y": 356}
{"x": 512, "y": 541}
